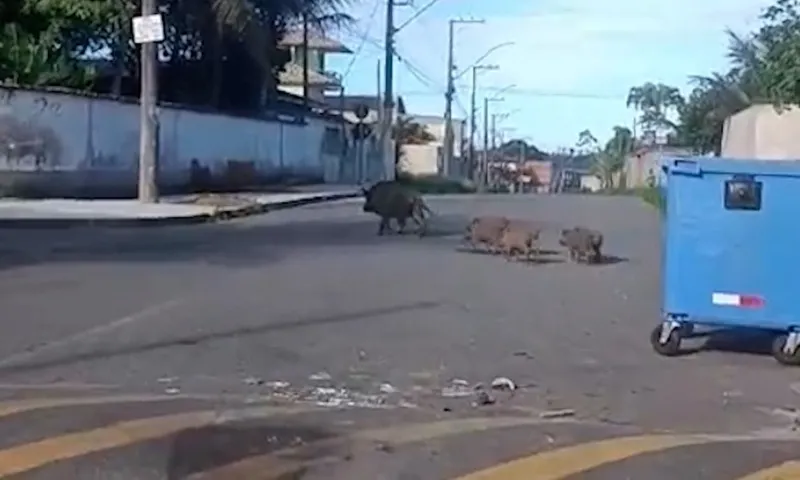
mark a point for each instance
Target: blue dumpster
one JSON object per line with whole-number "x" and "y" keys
{"x": 731, "y": 251}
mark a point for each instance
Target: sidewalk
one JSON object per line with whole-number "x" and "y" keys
{"x": 19, "y": 213}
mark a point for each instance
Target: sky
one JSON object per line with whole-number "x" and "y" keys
{"x": 571, "y": 63}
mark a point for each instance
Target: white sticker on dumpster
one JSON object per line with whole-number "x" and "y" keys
{"x": 737, "y": 300}
{"x": 725, "y": 299}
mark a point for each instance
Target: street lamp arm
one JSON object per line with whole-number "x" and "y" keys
{"x": 482, "y": 57}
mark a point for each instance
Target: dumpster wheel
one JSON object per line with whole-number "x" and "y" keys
{"x": 781, "y": 354}
{"x": 670, "y": 348}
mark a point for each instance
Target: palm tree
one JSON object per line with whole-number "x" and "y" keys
{"x": 611, "y": 159}
{"x": 655, "y": 101}
{"x": 718, "y": 96}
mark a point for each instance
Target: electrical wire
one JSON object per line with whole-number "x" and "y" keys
{"x": 363, "y": 39}
{"x": 527, "y": 92}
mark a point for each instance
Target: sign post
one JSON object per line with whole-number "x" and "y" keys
{"x": 148, "y": 30}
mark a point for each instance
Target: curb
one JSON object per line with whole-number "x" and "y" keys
{"x": 239, "y": 212}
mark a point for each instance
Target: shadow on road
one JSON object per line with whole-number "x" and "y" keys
{"x": 238, "y": 243}
{"x": 732, "y": 340}
{"x": 202, "y": 338}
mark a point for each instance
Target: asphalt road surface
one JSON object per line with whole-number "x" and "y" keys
{"x": 300, "y": 345}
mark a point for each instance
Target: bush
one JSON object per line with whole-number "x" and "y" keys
{"x": 434, "y": 184}
{"x": 653, "y": 196}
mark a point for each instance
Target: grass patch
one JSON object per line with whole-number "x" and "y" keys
{"x": 434, "y": 184}
{"x": 654, "y": 197}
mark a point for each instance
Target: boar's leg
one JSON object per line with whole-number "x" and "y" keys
{"x": 401, "y": 224}
{"x": 384, "y": 225}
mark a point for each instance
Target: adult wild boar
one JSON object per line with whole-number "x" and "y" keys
{"x": 519, "y": 239}
{"x": 583, "y": 244}
{"x": 486, "y": 231}
{"x": 392, "y": 200}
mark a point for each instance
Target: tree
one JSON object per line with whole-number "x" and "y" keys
{"x": 222, "y": 53}
{"x": 780, "y": 37}
{"x": 655, "y": 101}
{"x": 587, "y": 142}
{"x": 609, "y": 161}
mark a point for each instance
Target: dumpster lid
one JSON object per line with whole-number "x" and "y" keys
{"x": 733, "y": 166}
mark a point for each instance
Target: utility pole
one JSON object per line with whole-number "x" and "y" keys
{"x": 485, "y": 169}
{"x": 148, "y": 30}
{"x": 305, "y": 59}
{"x": 473, "y": 113}
{"x": 388, "y": 92}
{"x": 450, "y": 93}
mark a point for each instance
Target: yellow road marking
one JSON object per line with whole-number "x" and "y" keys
{"x": 275, "y": 464}
{"x": 36, "y": 454}
{"x": 14, "y": 407}
{"x": 784, "y": 471}
{"x": 563, "y": 462}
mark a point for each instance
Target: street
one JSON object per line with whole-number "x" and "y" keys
{"x": 299, "y": 344}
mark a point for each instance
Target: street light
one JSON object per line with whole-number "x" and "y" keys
{"x": 483, "y": 57}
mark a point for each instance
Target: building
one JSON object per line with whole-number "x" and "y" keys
{"x": 429, "y": 159}
{"x": 643, "y": 166}
{"x": 320, "y": 81}
{"x": 760, "y": 132}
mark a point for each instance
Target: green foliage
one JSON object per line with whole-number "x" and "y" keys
{"x": 221, "y": 53}
{"x": 654, "y": 197}
{"x": 764, "y": 68}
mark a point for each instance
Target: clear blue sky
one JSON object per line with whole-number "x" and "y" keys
{"x": 572, "y": 61}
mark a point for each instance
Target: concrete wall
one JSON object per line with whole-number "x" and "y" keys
{"x": 56, "y": 144}
{"x": 590, "y": 183}
{"x": 760, "y": 132}
{"x": 421, "y": 159}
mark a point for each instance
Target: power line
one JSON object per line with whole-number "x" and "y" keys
{"x": 528, "y": 92}
{"x": 363, "y": 40}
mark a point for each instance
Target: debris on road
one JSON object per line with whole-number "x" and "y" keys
{"x": 504, "y": 384}
{"x": 278, "y": 384}
{"x": 458, "y": 389}
{"x": 482, "y": 398}
{"x": 167, "y": 380}
{"x": 253, "y": 381}
{"x": 564, "y": 413}
{"x": 523, "y": 354}
{"x": 387, "y": 388}
{"x": 172, "y": 391}
{"x": 320, "y": 377}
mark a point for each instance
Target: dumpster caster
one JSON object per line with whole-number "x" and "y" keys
{"x": 666, "y": 339}
{"x": 785, "y": 349}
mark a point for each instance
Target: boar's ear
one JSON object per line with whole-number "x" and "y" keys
{"x": 564, "y": 232}
{"x": 364, "y": 191}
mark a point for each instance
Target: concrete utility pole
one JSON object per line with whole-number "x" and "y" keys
{"x": 485, "y": 167}
{"x": 305, "y": 59}
{"x": 148, "y": 139}
{"x": 450, "y": 93}
{"x": 388, "y": 92}
{"x": 473, "y": 113}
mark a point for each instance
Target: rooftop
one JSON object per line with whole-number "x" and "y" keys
{"x": 316, "y": 40}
